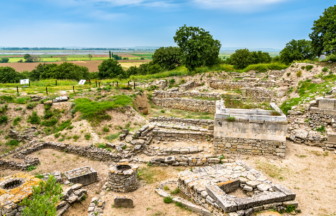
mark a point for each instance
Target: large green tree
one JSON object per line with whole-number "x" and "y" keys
{"x": 167, "y": 57}
{"x": 9, "y": 75}
{"x": 4, "y": 60}
{"x": 197, "y": 46}
{"x": 110, "y": 68}
{"x": 324, "y": 32}
{"x": 260, "y": 57}
{"x": 241, "y": 58}
{"x": 297, "y": 50}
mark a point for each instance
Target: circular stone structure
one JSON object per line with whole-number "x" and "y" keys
{"x": 123, "y": 178}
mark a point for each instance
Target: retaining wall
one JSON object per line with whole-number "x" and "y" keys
{"x": 186, "y": 104}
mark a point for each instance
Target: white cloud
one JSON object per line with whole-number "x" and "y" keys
{"x": 102, "y": 15}
{"x": 242, "y": 5}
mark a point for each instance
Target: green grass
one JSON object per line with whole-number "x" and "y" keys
{"x": 95, "y": 111}
{"x": 112, "y": 136}
{"x": 7, "y": 98}
{"x": 22, "y": 100}
{"x": 17, "y": 120}
{"x": 264, "y": 67}
{"x": 12, "y": 143}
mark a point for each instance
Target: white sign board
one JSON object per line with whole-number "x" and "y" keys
{"x": 24, "y": 81}
{"x": 81, "y": 82}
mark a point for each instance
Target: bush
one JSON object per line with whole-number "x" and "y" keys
{"x": 106, "y": 129}
{"x": 309, "y": 67}
{"x": 7, "y": 98}
{"x": 111, "y": 68}
{"x": 4, "y": 108}
{"x": 22, "y": 100}
{"x": 176, "y": 191}
{"x": 288, "y": 74}
{"x": 3, "y": 119}
{"x": 31, "y": 105}
{"x": 172, "y": 81}
{"x": 231, "y": 118}
{"x": 168, "y": 199}
{"x": 303, "y": 67}
{"x": 299, "y": 73}
{"x": 44, "y": 199}
{"x": 12, "y": 143}
{"x": 49, "y": 123}
{"x": 87, "y": 136}
{"x": 325, "y": 69}
{"x": 34, "y": 118}
{"x": 163, "y": 111}
{"x": 17, "y": 120}
{"x": 321, "y": 129}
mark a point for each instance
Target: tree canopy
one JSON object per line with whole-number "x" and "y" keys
{"x": 197, "y": 47}
{"x": 110, "y": 68}
{"x": 167, "y": 57}
{"x": 9, "y": 75}
{"x": 324, "y": 32}
{"x": 297, "y": 50}
{"x": 241, "y": 58}
{"x": 4, "y": 60}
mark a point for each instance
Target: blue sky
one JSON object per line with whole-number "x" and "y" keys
{"x": 128, "y": 23}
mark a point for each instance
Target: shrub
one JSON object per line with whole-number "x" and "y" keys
{"x": 163, "y": 111}
{"x": 101, "y": 145}
{"x": 45, "y": 198}
{"x": 4, "y": 108}
{"x": 87, "y": 136}
{"x": 17, "y": 120}
{"x": 299, "y": 73}
{"x": 309, "y": 67}
{"x": 7, "y": 98}
{"x": 288, "y": 74}
{"x": 106, "y": 129}
{"x": 166, "y": 188}
{"x": 176, "y": 191}
{"x": 31, "y": 105}
{"x": 34, "y": 118}
{"x": 22, "y": 100}
{"x": 231, "y": 118}
{"x": 290, "y": 208}
{"x": 325, "y": 69}
{"x": 168, "y": 199}
{"x": 57, "y": 135}
{"x": 321, "y": 129}
{"x": 303, "y": 67}
{"x": 12, "y": 143}
{"x": 3, "y": 119}
{"x": 172, "y": 81}
{"x": 75, "y": 137}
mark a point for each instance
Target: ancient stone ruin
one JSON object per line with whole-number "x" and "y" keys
{"x": 83, "y": 175}
{"x": 123, "y": 178}
{"x": 255, "y": 132}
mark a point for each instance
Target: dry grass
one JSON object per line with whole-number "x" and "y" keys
{"x": 152, "y": 174}
{"x": 272, "y": 170}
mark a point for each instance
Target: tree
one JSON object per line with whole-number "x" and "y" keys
{"x": 197, "y": 46}
{"x": 110, "y": 68}
{"x": 44, "y": 199}
{"x": 26, "y": 56}
{"x": 133, "y": 70}
{"x": 260, "y": 57}
{"x": 64, "y": 58}
{"x": 89, "y": 56}
{"x": 324, "y": 32}
{"x": 241, "y": 58}
{"x": 297, "y": 50}
{"x": 4, "y": 60}
{"x": 167, "y": 57}
{"x": 110, "y": 54}
{"x": 9, "y": 75}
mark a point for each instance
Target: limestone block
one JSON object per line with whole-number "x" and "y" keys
{"x": 123, "y": 201}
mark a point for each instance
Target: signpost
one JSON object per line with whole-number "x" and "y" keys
{"x": 81, "y": 82}
{"x": 24, "y": 81}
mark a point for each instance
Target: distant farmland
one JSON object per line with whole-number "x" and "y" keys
{"x": 91, "y": 65}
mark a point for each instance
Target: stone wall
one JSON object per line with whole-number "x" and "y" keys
{"x": 277, "y": 73}
{"x": 257, "y": 94}
{"x": 226, "y": 85}
{"x": 186, "y": 104}
{"x": 192, "y": 122}
{"x": 249, "y": 131}
{"x": 189, "y": 85}
{"x": 167, "y": 94}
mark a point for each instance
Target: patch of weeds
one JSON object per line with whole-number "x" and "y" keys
{"x": 31, "y": 105}
{"x": 18, "y": 109}
{"x": 3, "y": 119}
{"x": 325, "y": 69}
{"x": 22, "y": 100}
{"x": 271, "y": 169}
{"x": 231, "y": 118}
{"x": 290, "y": 208}
{"x": 112, "y": 136}
{"x": 30, "y": 168}
{"x": 124, "y": 147}
{"x": 40, "y": 176}
{"x": 12, "y": 143}
{"x": 106, "y": 129}
{"x": 178, "y": 204}
{"x": 57, "y": 135}
{"x": 34, "y": 118}
{"x": 7, "y": 98}
{"x": 166, "y": 188}
{"x": 176, "y": 191}
{"x": 321, "y": 129}
{"x": 162, "y": 111}
{"x": 17, "y": 120}
{"x": 299, "y": 73}
{"x": 101, "y": 145}
{"x": 275, "y": 113}
{"x": 168, "y": 199}
{"x": 49, "y": 123}
{"x": 75, "y": 137}
{"x": 152, "y": 174}
{"x": 87, "y": 136}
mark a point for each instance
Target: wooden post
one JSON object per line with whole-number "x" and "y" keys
{"x": 134, "y": 84}
{"x": 47, "y": 90}
{"x": 56, "y": 82}
{"x": 96, "y": 83}
{"x": 17, "y": 89}
{"x": 117, "y": 83}
{"x": 128, "y": 83}
{"x": 29, "y": 83}
{"x": 99, "y": 84}
{"x": 73, "y": 87}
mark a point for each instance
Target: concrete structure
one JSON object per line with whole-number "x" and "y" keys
{"x": 83, "y": 175}
{"x": 243, "y": 131}
{"x": 123, "y": 178}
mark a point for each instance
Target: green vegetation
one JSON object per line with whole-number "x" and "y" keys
{"x": 112, "y": 136}
{"x": 111, "y": 68}
{"x": 197, "y": 46}
{"x": 309, "y": 67}
{"x": 95, "y": 112}
{"x": 321, "y": 129}
{"x": 22, "y": 100}
{"x": 34, "y": 118}
{"x": 299, "y": 73}
{"x": 3, "y": 119}
{"x": 167, "y": 58}
{"x": 297, "y": 50}
{"x": 176, "y": 191}
{"x": 16, "y": 120}
{"x": 87, "y": 136}
{"x": 243, "y": 58}
{"x": 231, "y": 118}
{"x": 7, "y": 98}
{"x": 44, "y": 199}
{"x": 12, "y": 143}
{"x": 168, "y": 199}
{"x": 31, "y": 105}
{"x": 325, "y": 69}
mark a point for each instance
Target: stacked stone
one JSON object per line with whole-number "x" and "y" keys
{"x": 13, "y": 165}
{"x": 84, "y": 175}
{"x": 185, "y": 150}
{"x": 257, "y": 94}
{"x": 249, "y": 146}
{"x": 174, "y": 94}
{"x": 169, "y": 135}
{"x": 225, "y": 85}
{"x": 19, "y": 149}
{"x": 96, "y": 207}
{"x": 189, "y": 85}
{"x": 185, "y": 160}
{"x": 123, "y": 178}
{"x": 277, "y": 73}
{"x": 184, "y": 122}
{"x": 186, "y": 104}
{"x": 210, "y": 187}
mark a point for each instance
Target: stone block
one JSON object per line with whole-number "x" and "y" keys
{"x": 83, "y": 175}
{"x": 123, "y": 201}
{"x": 229, "y": 186}
{"x": 331, "y": 137}
{"x": 289, "y": 194}
{"x": 327, "y": 104}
